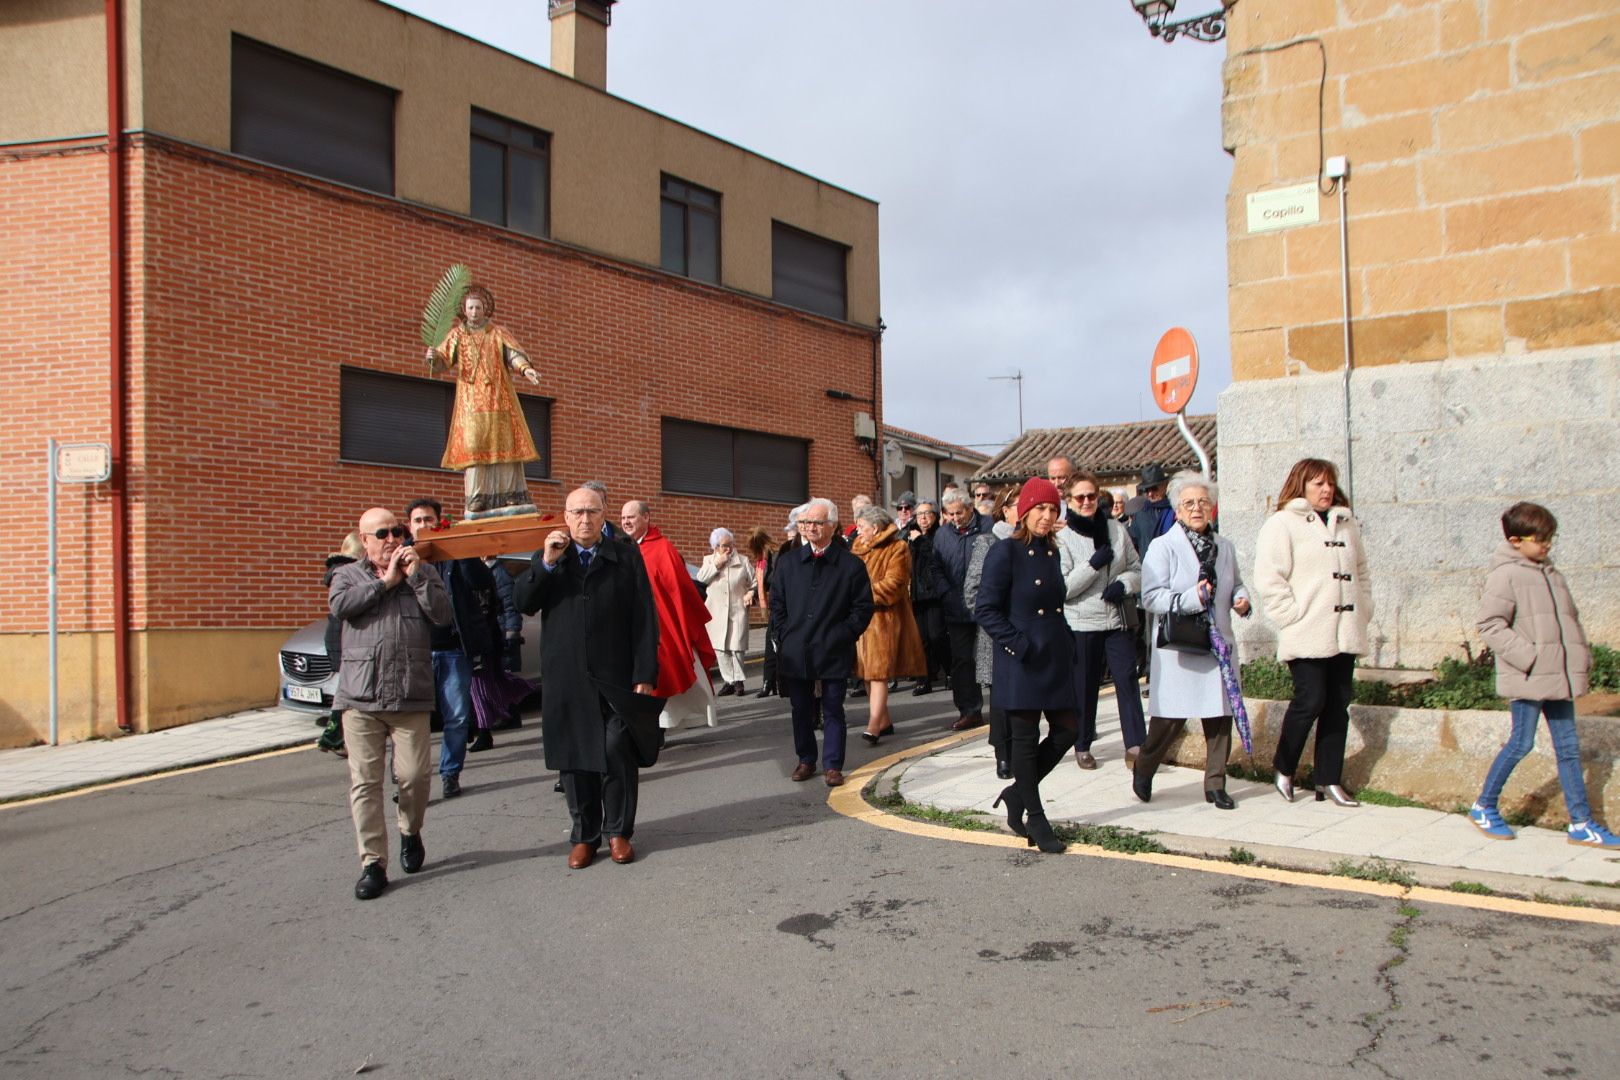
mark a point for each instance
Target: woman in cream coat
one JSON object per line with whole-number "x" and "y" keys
{"x": 1311, "y": 571}
{"x": 727, "y": 600}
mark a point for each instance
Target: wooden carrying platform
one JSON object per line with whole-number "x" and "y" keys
{"x": 489, "y": 536}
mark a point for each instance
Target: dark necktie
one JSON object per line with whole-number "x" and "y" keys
{"x": 585, "y": 558}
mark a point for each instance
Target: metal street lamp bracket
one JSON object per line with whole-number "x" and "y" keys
{"x": 1156, "y": 14}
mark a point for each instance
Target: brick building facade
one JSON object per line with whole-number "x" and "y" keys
{"x": 252, "y": 289}
{"x": 1483, "y": 229}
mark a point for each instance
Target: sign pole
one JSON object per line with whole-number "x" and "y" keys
{"x": 50, "y": 566}
{"x": 1173, "y": 374}
{"x": 1186, "y": 433}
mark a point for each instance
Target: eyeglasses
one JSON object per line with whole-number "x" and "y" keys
{"x": 396, "y": 532}
{"x": 813, "y": 524}
{"x": 982, "y": 495}
{"x": 1196, "y": 504}
{"x": 1088, "y": 496}
{"x": 589, "y": 511}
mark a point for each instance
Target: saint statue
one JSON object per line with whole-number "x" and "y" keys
{"x": 489, "y": 436}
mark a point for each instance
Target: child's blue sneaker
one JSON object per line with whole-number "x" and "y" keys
{"x": 1489, "y": 822}
{"x": 1591, "y": 834}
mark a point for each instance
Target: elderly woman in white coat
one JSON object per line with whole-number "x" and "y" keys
{"x": 729, "y": 578}
{"x": 1103, "y": 575}
{"x": 1189, "y": 569}
{"x": 1311, "y": 571}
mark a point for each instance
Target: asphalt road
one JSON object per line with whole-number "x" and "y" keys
{"x": 203, "y": 926}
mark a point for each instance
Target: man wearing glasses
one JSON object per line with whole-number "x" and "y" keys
{"x": 385, "y": 688}
{"x": 821, "y": 601}
{"x": 598, "y": 664}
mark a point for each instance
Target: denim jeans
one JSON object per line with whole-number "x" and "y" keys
{"x": 1566, "y": 749}
{"x": 452, "y": 682}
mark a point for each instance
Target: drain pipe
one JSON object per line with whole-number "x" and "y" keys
{"x": 115, "y": 325}
{"x": 1338, "y": 170}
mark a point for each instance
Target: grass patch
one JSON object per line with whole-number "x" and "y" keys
{"x": 1475, "y": 888}
{"x": 1387, "y": 798}
{"x": 1567, "y": 901}
{"x": 895, "y": 803}
{"x": 1373, "y": 870}
{"x": 1241, "y": 856}
{"x": 1109, "y": 838}
{"x": 1468, "y": 683}
{"x": 1237, "y": 770}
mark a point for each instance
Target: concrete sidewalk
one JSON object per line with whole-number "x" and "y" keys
{"x": 43, "y": 770}
{"x": 1437, "y": 848}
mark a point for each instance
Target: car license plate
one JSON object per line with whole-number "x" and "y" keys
{"x": 305, "y": 693}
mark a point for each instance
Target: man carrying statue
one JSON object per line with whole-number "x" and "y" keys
{"x": 489, "y": 435}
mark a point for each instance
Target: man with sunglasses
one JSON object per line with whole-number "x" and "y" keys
{"x": 387, "y": 603}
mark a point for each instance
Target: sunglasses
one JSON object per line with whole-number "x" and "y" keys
{"x": 396, "y": 532}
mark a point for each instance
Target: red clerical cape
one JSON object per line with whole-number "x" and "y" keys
{"x": 682, "y": 616}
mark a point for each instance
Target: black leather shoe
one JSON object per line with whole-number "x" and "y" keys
{"x": 373, "y": 880}
{"x": 481, "y": 741}
{"x": 766, "y": 691}
{"x": 1221, "y": 799}
{"x": 411, "y": 853}
{"x": 557, "y": 787}
{"x": 726, "y": 690}
{"x": 452, "y": 785}
{"x": 1003, "y": 769}
{"x": 922, "y": 688}
{"x": 1015, "y": 810}
{"x": 1143, "y": 786}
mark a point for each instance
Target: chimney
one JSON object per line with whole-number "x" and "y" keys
{"x": 579, "y": 39}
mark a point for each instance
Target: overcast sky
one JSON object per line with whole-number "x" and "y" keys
{"x": 1050, "y": 177}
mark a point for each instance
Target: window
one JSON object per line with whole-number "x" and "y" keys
{"x": 305, "y": 116}
{"x": 509, "y": 174}
{"x": 691, "y": 230}
{"x": 705, "y": 460}
{"x": 808, "y": 271}
{"x": 397, "y": 420}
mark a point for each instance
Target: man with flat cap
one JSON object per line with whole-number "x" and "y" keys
{"x": 598, "y": 664}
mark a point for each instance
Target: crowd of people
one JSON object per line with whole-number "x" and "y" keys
{"x": 1018, "y": 598}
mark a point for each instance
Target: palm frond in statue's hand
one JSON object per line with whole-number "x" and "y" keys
{"x": 444, "y": 304}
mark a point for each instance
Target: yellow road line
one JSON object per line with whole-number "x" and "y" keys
{"x": 848, "y": 800}
{"x": 144, "y": 778}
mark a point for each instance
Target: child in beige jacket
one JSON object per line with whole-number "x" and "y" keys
{"x": 1528, "y": 618}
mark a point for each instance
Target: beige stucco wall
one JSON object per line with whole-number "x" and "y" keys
{"x": 607, "y": 154}
{"x": 178, "y": 675}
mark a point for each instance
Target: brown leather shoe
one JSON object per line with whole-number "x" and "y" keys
{"x": 619, "y": 850}
{"x": 834, "y": 778}
{"x": 581, "y": 856}
{"x": 803, "y": 771}
{"x": 968, "y": 722}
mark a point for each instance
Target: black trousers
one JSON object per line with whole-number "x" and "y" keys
{"x": 1321, "y": 695}
{"x": 1116, "y": 648}
{"x": 605, "y": 803}
{"x": 999, "y": 739}
{"x": 769, "y": 662}
{"x": 965, "y": 693}
{"x": 1031, "y": 761}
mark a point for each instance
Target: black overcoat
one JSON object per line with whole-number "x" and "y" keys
{"x": 597, "y": 624}
{"x": 819, "y": 609}
{"x": 1020, "y": 605}
{"x": 952, "y": 549}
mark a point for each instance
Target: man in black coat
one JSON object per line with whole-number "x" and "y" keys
{"x": 953, "y": 542}
{"x": 598, "y": 658}
{"x": 821, "y": 601}
{"x": 460, "y": 649}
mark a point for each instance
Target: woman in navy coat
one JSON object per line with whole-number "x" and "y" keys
{"x": 1020, "y": 605}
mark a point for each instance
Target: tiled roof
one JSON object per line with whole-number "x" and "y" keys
{"x": 955, "y": 449}
{"x": 1109, "y": 450}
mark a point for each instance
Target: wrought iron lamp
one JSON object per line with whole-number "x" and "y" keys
{"x": 1209, "y": 27}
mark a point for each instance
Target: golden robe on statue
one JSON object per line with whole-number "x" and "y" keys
{"x": 487, "y": 426}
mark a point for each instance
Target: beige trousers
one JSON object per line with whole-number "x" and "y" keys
{"x": 365, "y": 736}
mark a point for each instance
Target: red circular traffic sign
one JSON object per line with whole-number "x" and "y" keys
{"x": 1174, "y": 371}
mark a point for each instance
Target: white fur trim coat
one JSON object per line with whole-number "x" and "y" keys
{"x": 1310, "y": 569}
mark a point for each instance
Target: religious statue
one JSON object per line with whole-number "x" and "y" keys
{"x": 489, "y": 436}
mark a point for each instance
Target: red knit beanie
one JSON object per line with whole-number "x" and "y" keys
{"x": 1036, "y": 491}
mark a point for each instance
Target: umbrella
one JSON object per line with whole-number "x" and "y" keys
{"x": 1229, "y": 680}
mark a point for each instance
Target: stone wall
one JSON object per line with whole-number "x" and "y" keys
{"x": 1439, "y": 451}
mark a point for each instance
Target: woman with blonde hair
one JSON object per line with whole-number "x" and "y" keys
{"x": 890, "y": 647}
{"x": 727, "y": 601}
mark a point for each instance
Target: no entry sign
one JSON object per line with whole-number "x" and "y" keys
{"x": 1174, "y": 371}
